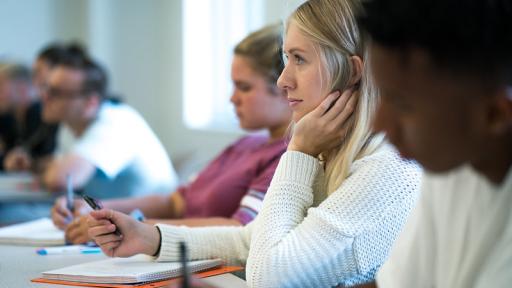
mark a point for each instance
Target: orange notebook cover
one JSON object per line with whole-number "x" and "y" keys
{"x": 156, "y": 284}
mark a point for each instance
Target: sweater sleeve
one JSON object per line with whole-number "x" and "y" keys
{"x": 228, "y": 243}
{"x": 342, "y": 241}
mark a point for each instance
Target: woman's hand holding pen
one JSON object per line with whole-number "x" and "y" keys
{"x": 326, "y": 126}
{"x": 77, "y": 231}
{"x": 136, "y": 237}
{"x": 62, "y": 216}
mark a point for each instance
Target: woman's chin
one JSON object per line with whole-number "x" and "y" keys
{"x": 297, "y": 116}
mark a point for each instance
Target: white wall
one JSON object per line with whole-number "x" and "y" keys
{"x": 139, "y": 41}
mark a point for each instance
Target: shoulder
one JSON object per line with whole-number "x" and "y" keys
{"x": 248, "y": 143}
{"x": 251, "y": 140}
{"x": 457, "y": 175}
{"x": 381, "y": 177}
{"x": 109, "y": 109}
{"x": 387, "y": 160}
{"x": 121, "y": 116}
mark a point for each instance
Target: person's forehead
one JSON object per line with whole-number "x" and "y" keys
{"x": 66, "y": 75}
{"x": 295, "y": 39}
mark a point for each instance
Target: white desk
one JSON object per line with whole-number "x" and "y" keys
{"x": 19, "y": 264}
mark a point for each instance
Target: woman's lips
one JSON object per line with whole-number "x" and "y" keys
{"x": 293, "y": 102}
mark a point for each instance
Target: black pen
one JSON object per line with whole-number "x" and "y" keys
{"x": 184, "y": 269}
{"x": 96, "y": 205}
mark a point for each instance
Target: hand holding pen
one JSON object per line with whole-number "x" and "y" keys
{"x": 62, "y": 216}
{"x": 96, "y": 205}
{"x": 67, "y": 208}
{"x": 136, "y": 237}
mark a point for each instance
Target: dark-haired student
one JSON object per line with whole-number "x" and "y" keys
{"x": 445, "y": 72}
{"x": 106, "y": 146}
{"x": 33, "y": 140}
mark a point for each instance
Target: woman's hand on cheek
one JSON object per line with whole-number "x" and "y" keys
{"x": 326, "y": 126}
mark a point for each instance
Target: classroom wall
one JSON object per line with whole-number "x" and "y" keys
{"x": 139, "y": 41}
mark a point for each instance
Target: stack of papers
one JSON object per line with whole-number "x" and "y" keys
{"x": 40, "y": 232}
{"x": 135, "y": 269}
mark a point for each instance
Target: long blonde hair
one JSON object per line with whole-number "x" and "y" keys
{"x": 331, "y": 25}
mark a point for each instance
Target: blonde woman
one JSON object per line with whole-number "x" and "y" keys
{"x": 339, "y": 195}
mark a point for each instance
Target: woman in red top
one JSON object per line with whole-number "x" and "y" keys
{"x": 230, "y": 190}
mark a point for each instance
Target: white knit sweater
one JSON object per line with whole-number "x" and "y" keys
{"x": 295, "y": 243}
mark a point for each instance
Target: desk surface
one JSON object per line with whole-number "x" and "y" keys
{"x": 20, "y": 187}
{"x": 19, "y": 264}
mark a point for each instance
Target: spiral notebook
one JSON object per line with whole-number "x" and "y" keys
{"x": 39, "y": 232}
{"x": 135, "y": 269}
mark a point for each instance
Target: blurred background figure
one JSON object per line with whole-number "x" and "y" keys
{"x": 23, "y": 134}
{"x": 28, "y": 136}
{"x": 105, "y": 145}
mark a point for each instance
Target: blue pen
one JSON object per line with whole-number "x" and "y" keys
{"x": 72, "y": 249}
{"x": 69, "y": 194}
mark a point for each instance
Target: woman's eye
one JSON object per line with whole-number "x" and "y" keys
{"x": 244, "y": 88}
{"x": 298, "y": 60}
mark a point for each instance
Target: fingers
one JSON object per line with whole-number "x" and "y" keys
{"x": 91, "y": 222}
{"x": 341, "y": 106}
{"x": 326, "y": 104}
{"x": 110, "y": 248}
{"x": 105, "y": 239}
{"x": 60, "y": 214}
{"x": 77, "y": 231}
{"x": 59, "y": 220}
{"x": 17, "y": 161}
{"x": 346, "y": 111}
{"x": 23, "y": 163}
{"x": 103, "y": 234}
{"x": 102, "y": 214}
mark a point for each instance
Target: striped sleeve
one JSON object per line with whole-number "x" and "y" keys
{"x": 250, "y": 206}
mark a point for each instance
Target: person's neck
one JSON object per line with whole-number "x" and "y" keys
{"x": 497, "y": 161}
{"x": 79, "y": 125}
{"x": 277, "y": 133}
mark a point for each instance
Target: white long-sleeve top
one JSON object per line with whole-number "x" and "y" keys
{"x": 298, "y": 240}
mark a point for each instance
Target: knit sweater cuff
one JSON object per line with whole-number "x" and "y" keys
{"x": 171, "y": 236}
{"x": 297, "y": 167}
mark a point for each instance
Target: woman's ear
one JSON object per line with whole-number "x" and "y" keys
{"x": 501, "y": 115}
{"x": 357, "y": 70}
{"x": 93, "y": 103}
